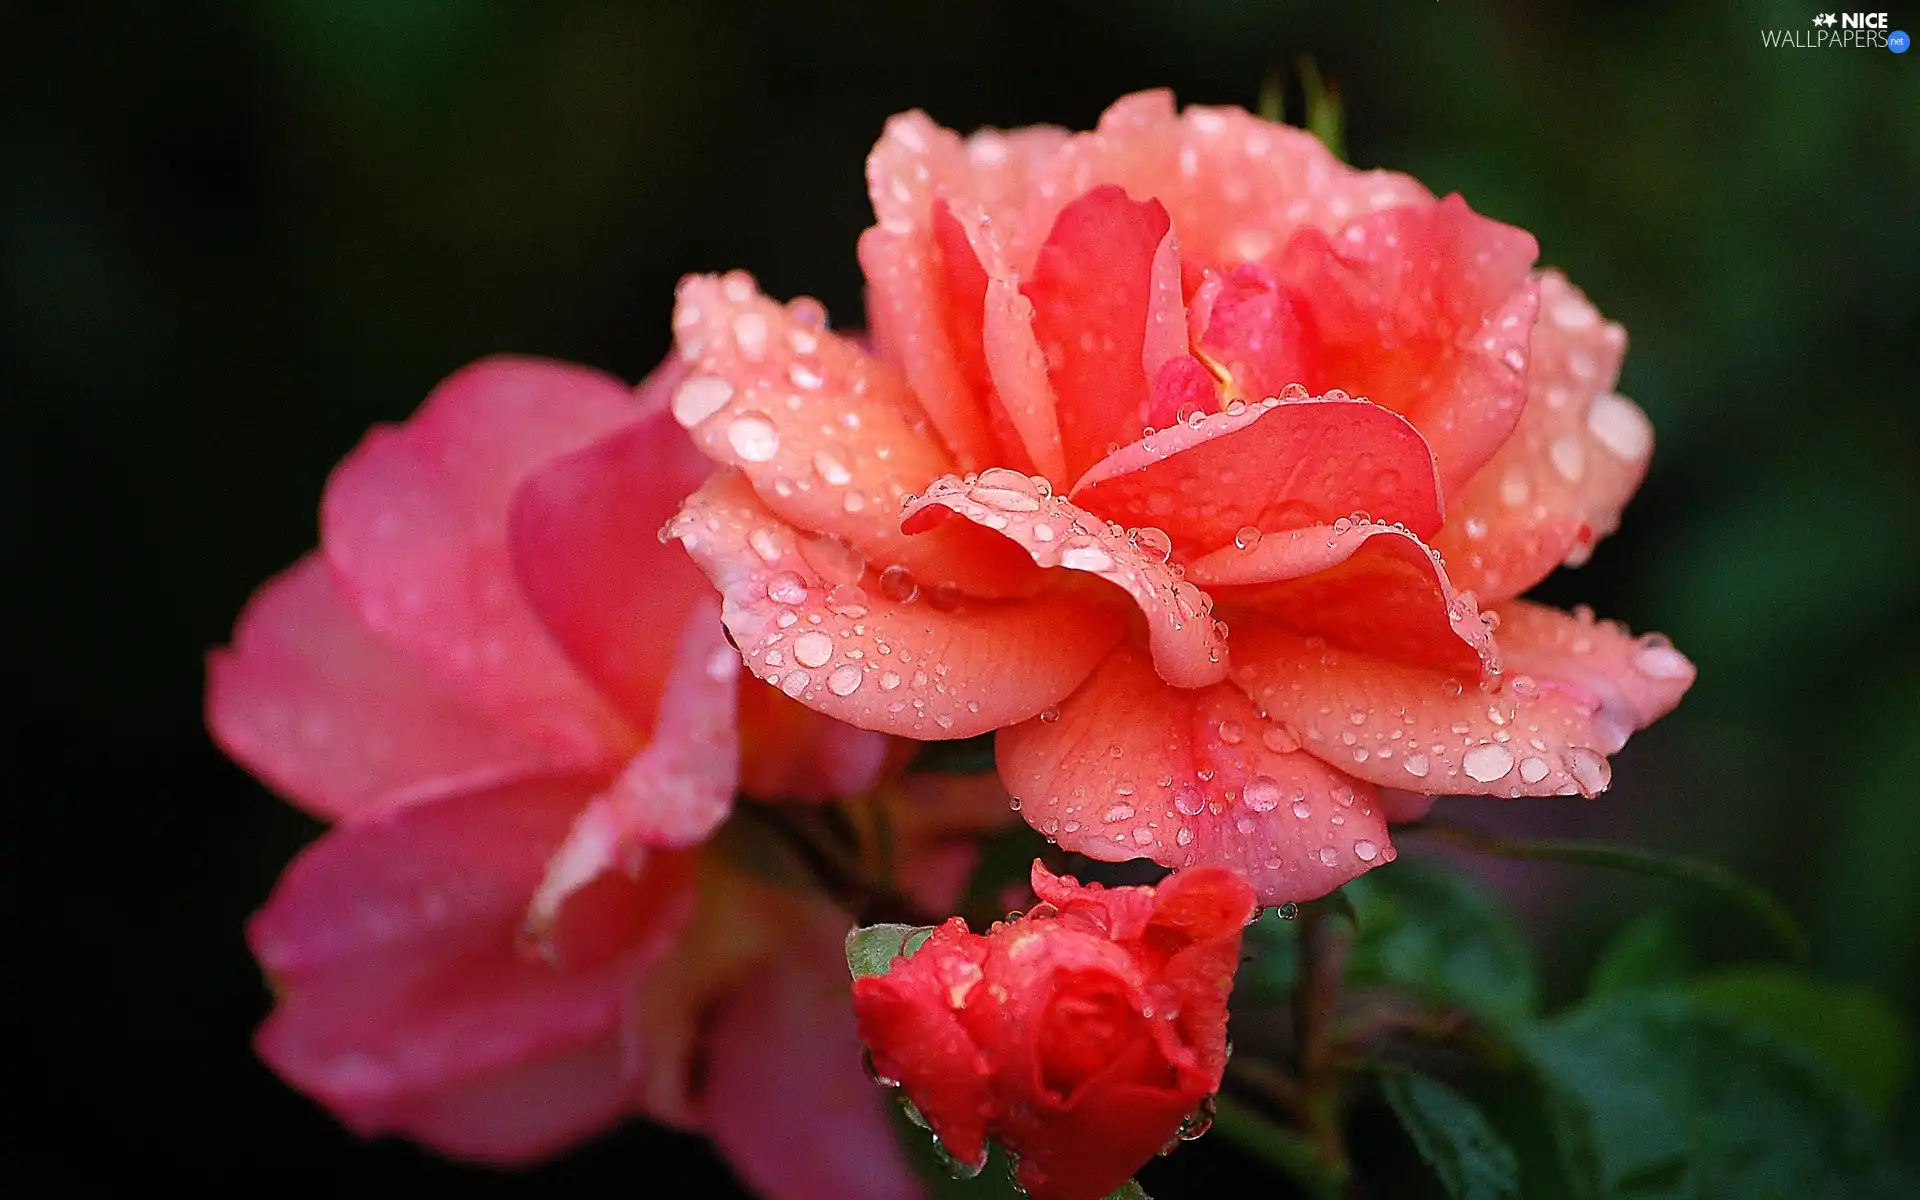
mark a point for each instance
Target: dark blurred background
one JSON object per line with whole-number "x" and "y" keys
{"x": 232, "y": 235}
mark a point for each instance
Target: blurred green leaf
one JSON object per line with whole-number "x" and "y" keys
{"x": 1647, "y": 953}
{"x": 1681, "y": 868}
{"x": 1453, "y": 1136}
{"x": 1326, "y": 119}
{"x": 1131, "y": 1191}
{"x": 1850, "y": 1032}
{"x": 1658, "y": 1097}
{"x": 871, "y": 949}
{"x": 1438, "y": 935}
{"x": 1006, "y": 860}
{"x": 964, "y": 756}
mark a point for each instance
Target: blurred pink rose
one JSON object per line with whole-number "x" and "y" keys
{"x": 520, "y": 709}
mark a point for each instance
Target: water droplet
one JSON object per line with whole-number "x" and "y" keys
{"x": 833, "y": 557}
{"x": 787, "y": 588}
{"x": 795, "y": 683}
{"x": 753, "y": 437}
{"x": 1302, "y": 809}
{"x": 1184, "y": 837}
{"x": 1287, "y": 911}
{"x": 1232, "y": 732}
{"x": 1487, "y": 763}
{"x": 1153, "y": 544}
{"x": 1657, "y": 660}
{"x": 1050, "y": 715}
{"x": 1086, "y": 557}
{"x": 1118, "y": 812}
{"x": 1279, "y": 739}
{"x": 750, "y": 332}
{"x": 874, "y": 1072}
{"x": 1365, "y": 850}
{"x": 1262, "y": 793}
{"x": 1199, "y": 1120}
{"x": 1328, "y": 856}
{"x": 1590, "y": 772}
{"x": 1416, "y": 765}
{"x": 898, "y": 585}
{"x": 843, "y": 682}
{"x": 1189, "y": 799}
{"x": 812, "y": 649}
{"x": 700, "y": 398}
{"x": 1533, "y": 770}
{"x": 945, "y": 597}
{"x": 1247, "y": 538}
{"x": 831, "y": 468}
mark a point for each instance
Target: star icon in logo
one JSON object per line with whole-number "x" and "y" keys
{"x": 1824, "y": 19}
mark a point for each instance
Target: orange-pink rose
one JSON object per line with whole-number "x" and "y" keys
{"x": 1203, "y": 467}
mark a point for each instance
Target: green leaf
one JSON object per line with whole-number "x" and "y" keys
{"x": 1656, "y": 1097}
{"x": 1848, "y": 1031}
{"x": 1681, "y": 868}
{"x": 1440, "y": 936}
{"x": 1131, "y": 1190}
{"x": 1453, "y": 1136}
{"x": 871, "y": 949}
{"x": 1647, "y": 953}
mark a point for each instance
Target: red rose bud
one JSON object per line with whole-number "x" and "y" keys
{"x": 1082, "y": 1036}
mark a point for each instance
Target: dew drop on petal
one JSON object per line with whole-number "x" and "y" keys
{"x": 1247, "y": 538}
{"x": 753, "y": 437}
{"x": 1488, "y": 762}
{"x": 1232, "y": 732}
{"x": 1590, "y": 771}
{"x": 699, "y": 398}
{"x": 843, "y": 682}
{"x": 1533, "y": 770}
{"x": 1189, "y": 799}
{"x": 898, "y": 585}
{"x": 1262, "y": 793}
{"x": 1365, "y": 850}
{"x": 812, "y": 649}
{"x": 787, "y": 588}
{"x": 1415, "y": 765}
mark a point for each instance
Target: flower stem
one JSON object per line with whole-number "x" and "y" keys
{"x": 1325, "y": 935}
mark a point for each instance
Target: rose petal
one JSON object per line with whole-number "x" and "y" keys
{"x": 393, "y": 946}
{"x": 581, "y": 534}
{"x": 1362, "y": 585}
{"x": 826, "y": 433}
{"x": 1022, "y": 393}
{"x": 414, "y": 528}
{"x": 908, "y": 1019}
{"x": 787, "y": 1102}
{"x": 1188, "y": 650}
{"x": 1558, "y": 484}
{"x": 830, "y": 633}
{"x": 1634, "y": 681}
{"x": 914, "y": 163}
{"x": 1091, "y": 290}
{"x": 1236, "y": 186}
{"x": 1133, "y": 768}
{"x": 1422, "y": 728}
{"x": 519, "y": 1114}
{"x": 1258, "y": 331}
{"x": 964, "y": 291}
{"x": 1426, "y": 310}
{"x": 339, "y": 722}
{"x": 1268, "y": 466}
{"x": 673, "y": 794}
